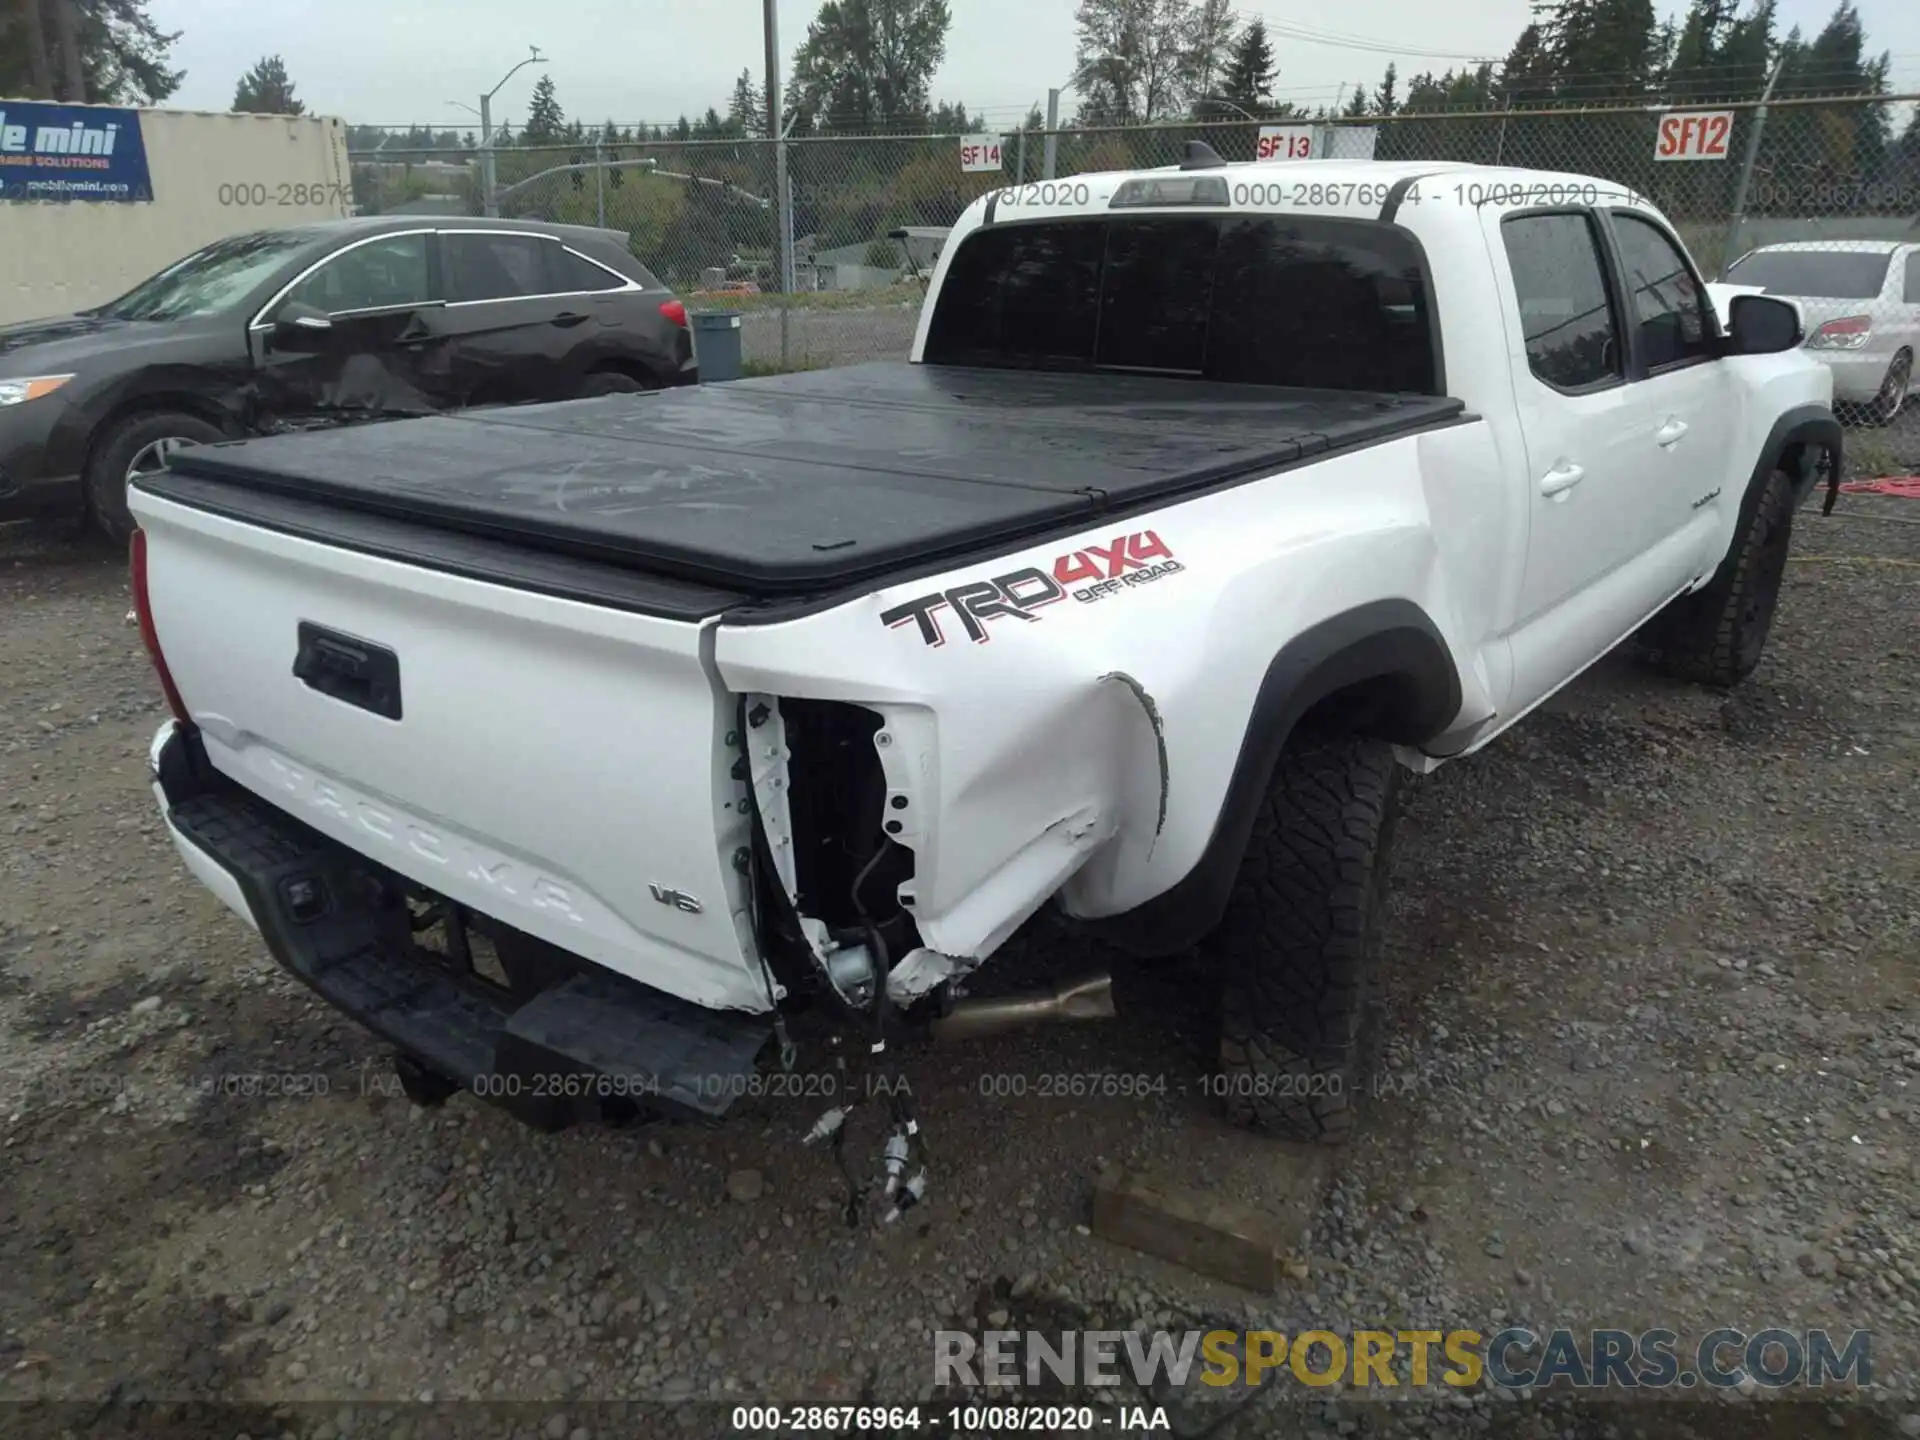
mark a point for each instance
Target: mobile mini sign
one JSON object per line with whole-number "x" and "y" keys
{"x": 1693, "y": 135}
{"x": 71, "y": 152}
{"x": 980, "y": 154}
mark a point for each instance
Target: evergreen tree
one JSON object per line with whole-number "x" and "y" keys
{"x": 747, "y": 111}
{"x": 1694, "y": 56}
{"x": 99, "y": 52}
{"x": 1746, "y": 53}
{"x": 1386, "y": 99}
{"x": 1599, "y": 50}
{"x": 1249, "y": 77}
{"x": 1527, "y": 76}
{"x": 266, "y": 90}
{"x": 1830, "y": 143}
{"x": 546, "y": 121}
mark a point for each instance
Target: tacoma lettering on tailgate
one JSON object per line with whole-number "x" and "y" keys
{"x": 400, "y": 833}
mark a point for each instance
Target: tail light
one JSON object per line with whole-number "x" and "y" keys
{"x": 674, "y": 311}
{"x": 143, "y": 612}
{"x": 1848, "y": 334}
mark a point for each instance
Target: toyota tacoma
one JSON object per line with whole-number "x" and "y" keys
{"x": 649, "y": 739}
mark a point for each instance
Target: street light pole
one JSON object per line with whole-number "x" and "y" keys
{"x": 487, "y": 182}
{"x": 488, "y": 206}
{"x": 782, "y": 195}
{"x": 1053, "y": 135}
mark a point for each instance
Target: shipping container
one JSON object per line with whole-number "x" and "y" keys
{"x": 166, "y": 182}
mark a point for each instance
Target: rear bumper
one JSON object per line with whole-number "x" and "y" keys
{"x": 339, "y": 924}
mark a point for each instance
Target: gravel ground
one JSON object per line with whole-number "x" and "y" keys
{"x": 829, "y": 337}
{"x": 1648, "y": 1053}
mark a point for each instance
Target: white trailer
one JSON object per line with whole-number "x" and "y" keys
{"x": 208, "y": 176}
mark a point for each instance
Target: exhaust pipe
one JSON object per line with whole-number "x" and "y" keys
{"x": 1089, "y": 998}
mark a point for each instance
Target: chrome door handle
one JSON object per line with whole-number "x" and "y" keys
{"x": 1669, "y": 434}
{"x": 1562, "y": 478}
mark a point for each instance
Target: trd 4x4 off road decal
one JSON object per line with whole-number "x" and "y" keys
{"x": 1106, "y": 569}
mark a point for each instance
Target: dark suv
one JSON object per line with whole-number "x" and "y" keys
{"x": 323, "y": 324}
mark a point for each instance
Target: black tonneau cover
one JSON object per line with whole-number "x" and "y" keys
{"x": 802, "y": 483}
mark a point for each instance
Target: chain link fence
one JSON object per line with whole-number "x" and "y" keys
{"x": 1833, "y": 173}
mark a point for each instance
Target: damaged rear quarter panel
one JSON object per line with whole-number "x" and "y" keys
{"x": 1082, "y": 741}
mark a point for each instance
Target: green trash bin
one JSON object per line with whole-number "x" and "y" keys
{"x": 716, "y": 344}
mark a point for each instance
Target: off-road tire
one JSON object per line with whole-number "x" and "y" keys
{"x": 105, "y": 477}
{"x": 1300, "y": 938}
{"x": 1716, "y": 635}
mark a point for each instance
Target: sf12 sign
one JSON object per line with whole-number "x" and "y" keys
{"x": 1285, "y": 142}
{"x": 1693, "y": 135}
{"x": 980, "y": 154}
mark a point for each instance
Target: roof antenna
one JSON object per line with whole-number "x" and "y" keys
{"x": 1201, "y": 156}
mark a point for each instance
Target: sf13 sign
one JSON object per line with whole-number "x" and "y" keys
{"x": 1087, "y": 576}
{"x": 1693, "y": 135}
{"x": 980, "y": 154}
{"x": 1285, "y": 142}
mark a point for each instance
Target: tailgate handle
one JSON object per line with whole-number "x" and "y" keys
{"x": 355, "y": 672}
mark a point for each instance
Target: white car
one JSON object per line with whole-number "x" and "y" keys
{"x": 1212, "y": 501}
{"x": 1861, "y": 299}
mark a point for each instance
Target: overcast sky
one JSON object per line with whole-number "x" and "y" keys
{"x": 401, "y": 61}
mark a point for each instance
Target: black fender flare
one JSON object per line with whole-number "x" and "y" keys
{"x": 1385, "y": 640}
{"x": 1811, "y": 427}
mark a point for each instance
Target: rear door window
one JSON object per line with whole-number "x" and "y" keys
{"x": 1913, "y": 278}
{"x": 1334, "y": 304}
{"x": 483, "y": 266}
{"x": 569, "y": 273}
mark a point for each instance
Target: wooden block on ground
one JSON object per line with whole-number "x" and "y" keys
{"x": 1207, "y": 1233}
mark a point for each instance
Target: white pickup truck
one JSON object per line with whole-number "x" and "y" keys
{"x": 1213, "y": 500}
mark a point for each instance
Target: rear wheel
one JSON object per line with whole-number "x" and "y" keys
{"x": 1716, "y": 635}
{"x": 610, "y": 382}
{"x": 1891, "y": 397}
{"x": 1301, "y": 936}
{"x": 136, "y": 446}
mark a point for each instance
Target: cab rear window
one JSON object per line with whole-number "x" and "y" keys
{"x": 1261, "y": 300}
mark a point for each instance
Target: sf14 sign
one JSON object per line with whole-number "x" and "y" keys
{"x": 980, "y": 153}
{"x": 1693, "y": 135}
{"x": 1285, "y": 142}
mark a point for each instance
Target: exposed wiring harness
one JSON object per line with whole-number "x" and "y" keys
{"x": 904, "y": 1176}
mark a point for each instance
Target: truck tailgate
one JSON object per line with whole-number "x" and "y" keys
{"x": 552, "y": 764}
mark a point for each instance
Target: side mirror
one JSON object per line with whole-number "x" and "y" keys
{"x": 1762, "y": 325}
{"x": 297, "y": 325}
